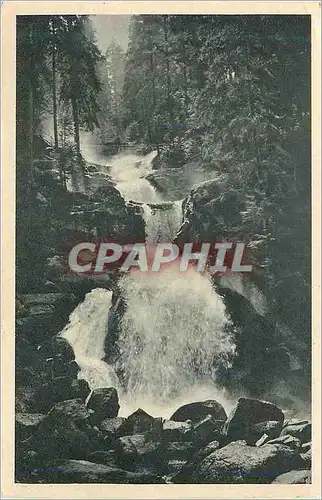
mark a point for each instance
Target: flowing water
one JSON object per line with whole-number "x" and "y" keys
{"x": 162, "y": 221}
{"x": 129, "y": 171}
{"x": 174, "y": 335}
{"x": 86, "y": 332}
{"x": 174, "y": 330}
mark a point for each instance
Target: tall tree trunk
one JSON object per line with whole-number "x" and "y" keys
{"x": 76, "y": 125}
{"x": 55, "y": 117}
{"x": 55, "y": 98}
{"x": 167, "y": 61}
{"x": 79, "y": 178}
{"x": 24, "y": 107}
{"x": 185, "y": 83}
{"x": 154, "y": 100}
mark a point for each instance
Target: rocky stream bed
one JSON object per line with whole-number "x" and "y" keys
{"x": 66, "y": 433}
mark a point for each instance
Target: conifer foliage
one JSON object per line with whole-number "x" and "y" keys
{"x": 234, "y": 92}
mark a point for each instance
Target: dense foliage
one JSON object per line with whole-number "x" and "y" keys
{"x": 57, "y": 80}
{"x": 234, "y": 93}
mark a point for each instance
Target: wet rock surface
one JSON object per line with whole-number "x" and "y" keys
{"x": 104, "y": 403}
{"x": 294, "y": 477}
{"x": 241, "y": 423}
{"x": 27, "y": 424}
{"x": 67, "y": 444}
{"x": 85, "y": 472}
{"x": 194, "y": 411}
{"x": 302, "y": 431}
{"x": 174, "y": 183}
{"x": 139, "y": 422}
{"x": 110, "y": 426}
{"x": 239, "y": 463}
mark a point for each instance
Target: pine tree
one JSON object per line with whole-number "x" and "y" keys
{"x": 79, "y": 82}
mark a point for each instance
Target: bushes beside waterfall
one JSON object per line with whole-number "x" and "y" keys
{"x": 232, "y": 93}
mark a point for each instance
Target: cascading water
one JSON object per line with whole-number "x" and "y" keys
{"x": 129, "y": 171}
{"x": 162, "y": 221}
{"x": 86, "y": 332}
{"x": 174, "y": 330}
{"x": 173, "y": 336}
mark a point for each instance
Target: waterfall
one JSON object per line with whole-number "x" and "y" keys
{"x": 174, "y": 331}
{"x": 86, "y": 332}
{"x": 174, "y": 335}
{"x": 129, "y": 171}
{"x": 162, "y": 221}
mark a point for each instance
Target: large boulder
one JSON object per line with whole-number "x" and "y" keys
{"x": 57, "y": 347}
{"x": 239, "y": 463}
{"x": 105, "y": 404}
{"x": 113, "y": 217}
{"x": 27, "y": 424}
{"x": 286, "y": 440}
{"x": 199, "y": 410}
{"x": 75, "y": 441}
{"x": 294, "y": 477}
{"x": 172, "y": 457}
{"x": 60, "y": 389}
{"x": 140, "y": 422}
{"x": 206, "y": 430}
{"x": 134, "y": 452}
{"x": 175, "y": 431}
{"x": 85, "y": 472}
{"x": 261, "y": 359}
{"x": 56, "y": 368}
{"x": 71, "y": 409}
{"x": 66, "y": 432}
{"x": 186, "y": 472}
{"x": 247, "y": 413}
{"x": 111, "y": 426}
{"x": 301, "y": 431}
{"x": 176, "y": 450}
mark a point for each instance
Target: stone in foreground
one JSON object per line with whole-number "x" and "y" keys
{"x": 84, "y": 472}
{"x": 105, "y": 404}
{"x": 27, "y": 424}
{"x": 300, "y": 431}
{"x": 238, "y": 463}
{"x": 175, "y": 431}
{"x": 247, "y": 413}
{"x": 71, "y": 409}
{"x": 197, "y": 411}
{"x": 138, "y": 422}
{"x": 184, "y": 476}
{"x": 294, "y": 477}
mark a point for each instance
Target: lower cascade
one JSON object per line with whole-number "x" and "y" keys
{"x": 173, "y": 336}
